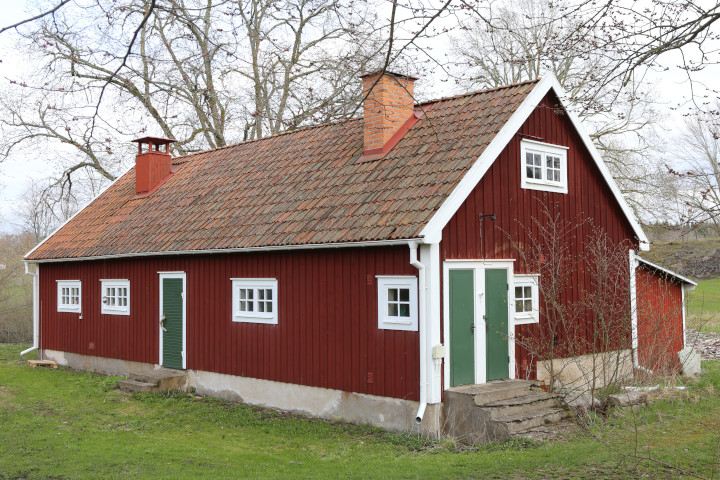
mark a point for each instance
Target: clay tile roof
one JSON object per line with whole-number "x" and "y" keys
{"x": 297, "y": 188}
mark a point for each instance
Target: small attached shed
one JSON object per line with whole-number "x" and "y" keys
{"x": 659, "y": 309}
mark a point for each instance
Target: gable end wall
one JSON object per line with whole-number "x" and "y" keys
{"x": 499, "y": 193}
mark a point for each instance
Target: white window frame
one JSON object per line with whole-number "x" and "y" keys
{"x": 387, "y": 322}
{"x": 108, "y": 309}
{"x": 69, "y": 307}
{"x": 255, "y": 284}
{"x": 544, "y": 149}
{"x": 527, "y": 280}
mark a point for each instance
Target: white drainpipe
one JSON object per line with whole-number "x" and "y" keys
{"x": 36, "y": 308}
{"x": 422, "y": 321}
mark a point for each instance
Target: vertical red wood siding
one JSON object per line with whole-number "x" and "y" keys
{"x": 326, "y": 336}
{"x": 660, "y": 321}
{"x": 500, "y": 193}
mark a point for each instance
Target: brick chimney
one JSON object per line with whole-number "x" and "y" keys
{"x": 387, "y": 107}
{"x": 152, "y": 163}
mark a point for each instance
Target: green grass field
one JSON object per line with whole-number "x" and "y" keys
{"x": 704, "y": 306}
{"x": 58, "y": 424}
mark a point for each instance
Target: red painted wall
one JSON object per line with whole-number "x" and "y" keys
{"x": 517, "y": 209}
{"x": 660, "y": 321}
{"x": 326, "y": 335}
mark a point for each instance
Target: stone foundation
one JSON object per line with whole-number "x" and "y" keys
{"x": 392, "y": 414}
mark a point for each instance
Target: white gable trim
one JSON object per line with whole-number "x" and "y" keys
{"x": 432, "y": 232}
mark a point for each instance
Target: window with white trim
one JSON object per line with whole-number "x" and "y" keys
{"x": 115, "y": 297}
{"x": 254, "y": 300}
{"x": 69, "y": 296}
{"x": 527, "y": 308}
{"x": 397, "y": 303}
{"x": 543, "y": 166}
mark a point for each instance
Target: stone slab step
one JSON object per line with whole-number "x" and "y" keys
{"x": 550, "y": 431}
{"x": 497, "y": 392}
{"x": 532, "y": 418}
{"x": 164, "y": 378}
{"x": 523, "y": 403}
{"x": 129, "y": 385}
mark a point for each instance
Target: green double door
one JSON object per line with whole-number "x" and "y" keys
{"x": 464, "y": 327}
{"x": 172, "y": 321}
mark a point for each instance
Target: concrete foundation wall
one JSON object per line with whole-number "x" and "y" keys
{"x": 583, "y": 372}
{"x": 389, "y": 413}
{"x": 108, "y": 366}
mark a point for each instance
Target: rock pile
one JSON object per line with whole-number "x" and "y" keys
{"x": 707, "y": 344}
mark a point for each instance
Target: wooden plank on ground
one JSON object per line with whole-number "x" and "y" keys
{"x": 43, "y": 363}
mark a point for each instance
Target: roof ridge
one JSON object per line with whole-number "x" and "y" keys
{"x": 478, "y": 92}
{"x": 185, "y": 158}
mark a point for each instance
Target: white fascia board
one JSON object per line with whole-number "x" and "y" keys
{"x": 433, "y": 230}
{"x": 667, "y": 272}
{"x": 309, "y": 246}
{"x": 78, "y": 212}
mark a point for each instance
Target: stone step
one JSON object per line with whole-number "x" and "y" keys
{"x": 164, "y": 378}
{"x": 550, "y": 431}
{"x": 523, "y": 403}
{"x": 532, "y": 418}
{"x": 129, "y": 385}
{"x": 498, "y": 392}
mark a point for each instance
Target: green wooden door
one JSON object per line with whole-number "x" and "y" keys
{"x": 172, "y": 309}
{"x": 496, "y": 318}
{"x": 462, "y": 313}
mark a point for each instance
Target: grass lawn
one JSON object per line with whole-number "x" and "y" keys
{"x": 704, "y": 306}
{"x": 57, "y": 424}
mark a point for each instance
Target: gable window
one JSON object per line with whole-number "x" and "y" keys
{"x": 397, "y": 303}
{"x": 69, "y": 295}
{"x": 527, "y": 308}
{"x": 254, "y": 300}
{"x": 543, "y": 166}
{"x": 115, "y": 297}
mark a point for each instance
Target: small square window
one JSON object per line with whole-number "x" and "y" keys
{"x": 397, "y": 303}
{"x": 68, "y": 296}
{"x": 254, "y": 300}
{"x": 544, "y": 167}
{"x": 115, "y": 297}
{"x": 526, "y": 299}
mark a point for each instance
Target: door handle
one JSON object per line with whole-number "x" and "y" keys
{"x": 472, "y": 328}
{"x": 162, "y": 323}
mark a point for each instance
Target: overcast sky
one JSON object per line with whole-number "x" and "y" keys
{"x": 16, "y": 173}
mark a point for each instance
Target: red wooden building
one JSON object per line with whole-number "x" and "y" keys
{"x": 355, "y": 269}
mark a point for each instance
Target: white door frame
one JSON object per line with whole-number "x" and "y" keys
{"x": 478, "y": 267}
{"x": 164, "y": 275}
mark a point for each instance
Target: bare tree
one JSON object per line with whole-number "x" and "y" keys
{"x": 41, "y": 209}
{"x": 15, "y": 289}
{"x": 699, "y": 178}
{"x": 201, "y": 71}
{"x": 527, "y": 39}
